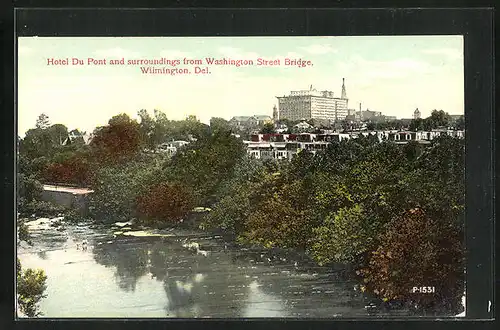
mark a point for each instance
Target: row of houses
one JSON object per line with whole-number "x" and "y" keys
{"x": 286, "y": 146}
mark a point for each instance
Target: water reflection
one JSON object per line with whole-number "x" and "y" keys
{"x": 130, "y": 260}
{"x": 167, "y": 277}
{"x": 225, "y": 282}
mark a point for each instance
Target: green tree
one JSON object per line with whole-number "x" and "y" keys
{"x": 42, "y": 121}
{"x": 219, "y": 125}
{"x": 267, "y": 128}
{"x": 147, "y": 129}
{"x": 460, "y": 123}
{"x": 30, "y": 283}
{"x": 417, "y": 124}
{"x": 439, "y": 118}
{"x": 203, "y": 164}
{"x": 233, "y": 206}
{"x": 344, "y": 236}
{"x": 116, "y": 188}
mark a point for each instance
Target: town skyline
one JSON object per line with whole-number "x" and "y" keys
{"x": 427, "y": 70}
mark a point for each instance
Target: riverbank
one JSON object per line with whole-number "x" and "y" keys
{"x": 63, "y": 239}
{"x": 162, "y": 276}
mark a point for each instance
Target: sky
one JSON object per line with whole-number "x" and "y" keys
{"x": 391, "y": 74}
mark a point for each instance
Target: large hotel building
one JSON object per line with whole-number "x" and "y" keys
{"x": 307, "y": 104}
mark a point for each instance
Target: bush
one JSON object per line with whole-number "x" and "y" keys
{"x": 418, "y": 251}
{"x": 233, "y": 207}
{"x": 31, "y": 285}
{"x": 74, "y": 170}
{"x": 39, "y": 209}
{"x": 28, "y": 187}
{"x": 280, "y": 217}
{"x": 116, "y": 189}
{"x": 345, "y": 236}
{"x": 74, "y": 217}
{"x": 164, "y": 202}
{"x": 23, "y": 233}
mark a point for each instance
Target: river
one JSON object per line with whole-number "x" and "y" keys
{"x": 114, "y": 275}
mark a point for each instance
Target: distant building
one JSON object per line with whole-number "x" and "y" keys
{"x": 172, "y": 147}
{"x": 307, "y": 104}
{"x": 75, "y": 136}
{"x": 275, "y": 114}
{"x": 369, "y": 115}
{"x": 416, "y": 114}
{"x": 455, "y": 117}
{"x": 303, "y": 125}
{"x": 250, "y": 121}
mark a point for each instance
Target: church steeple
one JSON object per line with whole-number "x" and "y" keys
{"x": 344, "y": 94}
{"x": 275, "y": 113}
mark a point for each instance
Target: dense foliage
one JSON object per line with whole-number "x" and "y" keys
{"x": 381, "y": 207}
{"x": 164, "y": 202}
{"x": 117, "y": 187}
{"x": 30, "y": 283}
{"x": 355, "y": 198}
{"x": 418, "y": 251}
{"x": 203, "y": 165}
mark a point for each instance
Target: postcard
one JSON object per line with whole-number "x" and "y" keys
{"x": 240, "y": 177}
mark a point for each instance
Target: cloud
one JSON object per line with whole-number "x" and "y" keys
{"x": 450, "y": 53}
{"x": 319, "y": 49}
{"x": 397, "y": 68}
{"x": 174, "y": 54}
{"x": 116, "y": 52}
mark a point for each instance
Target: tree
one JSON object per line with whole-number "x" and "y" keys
{"x": 28, "y": 188}
{"x": 42, "y": 121}
{"x": 58, "y": 133}
{"x": 417, "y": 124}
{"x": 418, "y": 251}
{"x": 439, "y": 118}
{"x": 146, "y": 128}
{"x": 117, "y": 186}
{"x": 163, "y": 129}
{"x": 267, "y": 128}
{"x": 119, "y": 140}
{"x": 74, "y": 170}
{"x": 344, "y": 236}
{"x": 279, "y": 219}
{"x": 233, "y": 206}
{"x": 202, "y": 165}
{"x": 219, "y": 125}
{"x": 30, "y": 283}
{"x": 460, "y": 123}
{"x": 164, "y": 202}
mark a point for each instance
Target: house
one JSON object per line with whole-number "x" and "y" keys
{"x": 286, "y": 146}
{"x": 303, "y": 126}
{"x": 250, "y": 121}
{"x": 171, "y": 147}
{"x": 75, "y": 137}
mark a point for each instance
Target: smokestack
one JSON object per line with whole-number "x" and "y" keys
{"x": 343, "y": 94}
